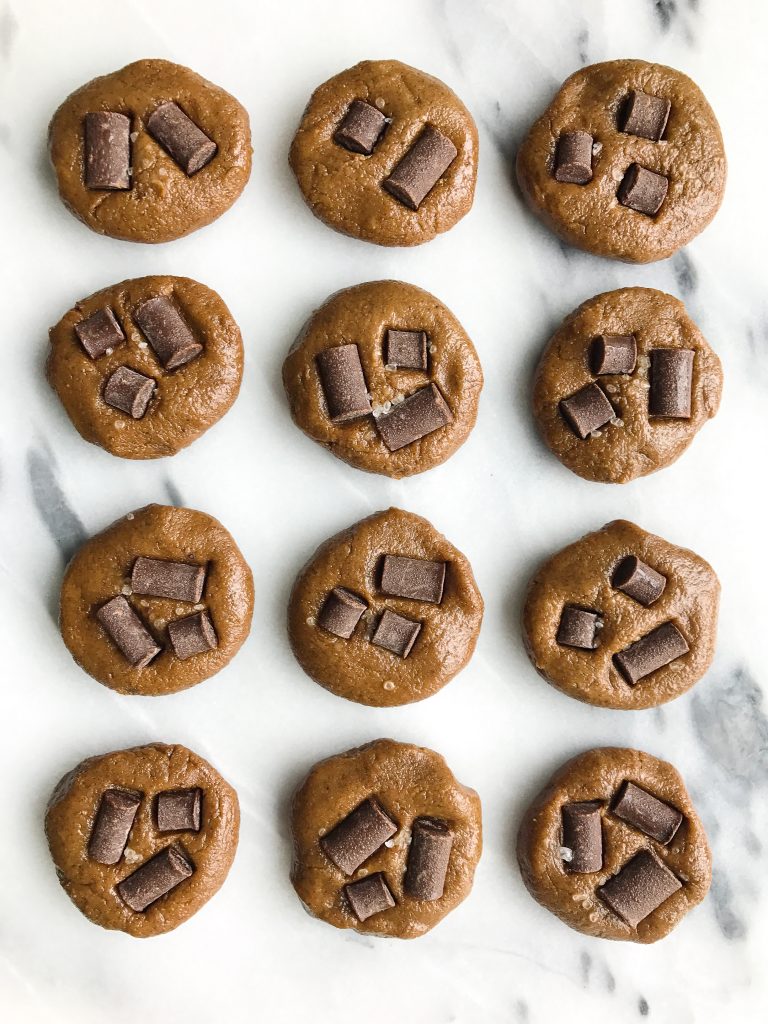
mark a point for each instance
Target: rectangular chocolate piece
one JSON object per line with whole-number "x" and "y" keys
{"x": 428, "y": 857}
{"x": 417, "y": 579}
{"x": 647, "y": 813}
{"x": 579, "y": 628}
{"x": 421, "y": 168}
{"x": 129, "y": 391}
{"x": 179, "y": 581}
{"x": 396, "y": 633}
{"x": 343, "y": 383}
{"x": 112, "y": 825}
{"x": 652, "y": 652}
{"x": 107, "y": 150}
{"x": 587, "y": 410}
{"x": 645, "y": 115}
{"x": 643, "y": 190}
{"x": 178, "y": 810}
{"x": 128, "y": 632}
{"x": 155, "y": 878}
{"x": 638, "y": 581}
{"x": 406, "y": 350}
{"x": 583, "y": 836}
{"x": 573, "y": 158}
{"x": 361, "y": 128}
{"x": 179, "y": 135}
{"x": 642, "y": 885}
{"x": 350, "y": 843}
{"x": 100, "y": 332}
{"x": 420, "y": 414}
{"x": 613, "y": 353}
{"x": 671, "y": 383}
{"x": 341, "y": 612}
{"x": 166, "y": 331}
{"x": 369, "y": 896}
{"x": 194, "y": 634}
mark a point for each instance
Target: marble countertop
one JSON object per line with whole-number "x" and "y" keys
{"x": 252, "y": 953}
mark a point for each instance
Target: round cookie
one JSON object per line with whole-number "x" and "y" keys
{"x": 622, "y": 619}
{"x": 151, "y": 152}
{"x": 386, "y": 153}
{"x": 386, "y": 612}
{"x": 142, "y": 838}
{"x": 159, "y": 601}
{"x": 385, "y": 377}
{"x": 145, "y": 367}
{"x": 614, "y": 848}
{"x": 385, "y": 840}
{"x": 624, "y": 385}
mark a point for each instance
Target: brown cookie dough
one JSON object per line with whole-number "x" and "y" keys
{"x": 614, "y": 848}
{"x": 386, "y": 153}
{"x": 159, "y": 601}
{"x": 142, "y": 838}
{"x": 624, "y": 385}
{"x": 143, "y": 394}
{"x": 385, "y": 377}
{"x": 622, "y": 619}
{"x": 151, "y": 152}
{"x": 627, "y": 161}
{"x": 385, "y": 612}
{"x": 385, "y": 840}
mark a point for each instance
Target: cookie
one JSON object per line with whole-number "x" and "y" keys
{"x": 614, "y": 848}
{"x": 386, "y": 153}
{"x": 145, "y": 367}
{"x": 624, "y": 385}
{"x": 627, "y": 161}
{"x": 385, "y": 840}
{"x": 150, "y": 152}
{"x": 142, "y": 838}
{"x": 159, "y": 601}
{"x": 385, "y": 377}
{"x": 385, "y": 612}
{"x": 622, "y": 618}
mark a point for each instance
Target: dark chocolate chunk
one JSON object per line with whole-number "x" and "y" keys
{"x": 341, "y": 612}
{"x": 671, "y": 383}
{"x": 167, "y": 333}
{"x": 428, "y": 857}
{"x": 587, "y": 410}
{"x": 107, "y": 150}
{"x": 406, "y": 350}
{"x": 129, "y": 391}
{"x": 647, "y": 813}
{"x": 369, "y": 896}
{"x": 100, "y": 332}
{"x": 128, "y": 632}
{"x": 420, "y": 414}
{"x": 179, "y": 135}
{"x": 645, "y": 115}
{"x": 421, "y": 168}
{"x": 573, "y": 158}
{"x": 194, "y": 634}
{"x": 112, "y": 825}
{"x": 641, "y": 886}
{"x": 583, "y": 836}
{"x": 178, "y": 810}
{"x": 396, "y": 633}
{"x": 638, "y": 580}
{"x": 613, "y": 353}
{"x": 416, "y": 578}
{"x": 643, "y": 190}
{"x": 350, "y": 843}
{"x": 579, "y": 628}
{"x": 361, "y": 127}
{"x": 155, "y": 878}
{"x": 179, "y": 581}
{"x": 652, "y": 652}
{"x": 343, "y": 381}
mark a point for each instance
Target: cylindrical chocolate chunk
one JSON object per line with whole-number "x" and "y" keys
{"x": 583, "y": 836}
{"x": 107, "y": 150}
{"x": 613, "y": 353}
{"x": 361, "y": 127}
{"x": 638, "y": 580}
{"x": 178, "y": 810}
{"x": 128, "y": 632}
{"x": 166, "y": 331}
{"x": 573, "y": 158}
{"x": 112, "y": 825}
{"x": 129, "y": 391}
{"x": 179, "y": 581}
{"x": 421, "y": 168}
{"x": 645, "y": 115}
{"x": 420, "y": 414}
{"x": 179, "y": 135}
{"x": 671, "y": 383}
{"x": 652, "y": 652}
{"x": 396, "y": 633}
{"x": 100, "y": 332}
{"x": 369, "y": 896}
{"x": 643, "y": 190}
{"x": 194, "y": 634}
{"x": 350, "y": 843}
{"x": 418, "y": 579}
{"x": 155, "y": 878}
{"x": 641, "y": 886}
{"x": 428, "y": 858}
{"x": 587, "y": 410}
{"x": 647, "y": 813}
{"x": 406, "y": 350}
{"x": 341, "y": 612}
{"x": 579, "y": 628}
{"x": 343, "y": 383}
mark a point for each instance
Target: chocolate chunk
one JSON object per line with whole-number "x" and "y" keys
{"x": 652, "y": 652}
{"x": 643, "y": 190}
{"x": 179, "y": 581}
{"x": 641, "y": 886}
{"x": 579, "y": 628}
{"x": 167, "y": 333}
{"x": 178, "y": 810}
{"x": 129, "y": 391}
{"x": 671, "y": 383}
{"x": 107, "y": 150}
{"x": 421, "y": 168}
{"x": 587, "y": 410}
{"x": 128, "y": 632}
{"x": 638, "y": 580}
{"x": 341, "y": 612}
{"x": 369, "y": 896}
{"x": 420, "y": 414}
{"x": 416, "y": 578}
{"x": 573, "y": 158}
{"x": 358, "y": 836}
{"x": 406, "y": 350}
{"x": 179, "y": 135}
{"x": 645, "y": 115}
{"x": 613, "y": 353}
{"x": 428, "y": 857}
{"x": 194, "y": 634}
{"x": 583, "y": 836}
{"x": 100, "y": 332}
{"x": 361, "y": 127}
{"x": 647, "y": 813}
{"x": 155, "y": 878}
{"x": 113, "y": 824}
{"x": 396, "y": 633}
{"x": 343, "y": 381}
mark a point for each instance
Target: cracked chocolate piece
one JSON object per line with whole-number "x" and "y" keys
{"x": 417, "y": 173}
{"x": 361, "y": 128}
{"x": 112, "y": 825}
{"x": 645, "y": 812}
{"x": 158, "y": 577}
{"x": 639, "y": 888}
{"x": 343, "y": 381}
{"x": 583, "y": 836}
{"x": 155, "y": 878}
{"x": 358, "y": 836}
{"x": 573, "y": 158}
{"x": 194, "y": 634}
{"x": 369, "y": 896}
{"x": 579, "y": 627}
{"x": 396, "y": 633}
{"x": 428, "y": 858}
{"x": 167, "y": 332}
{"x": 420, "y": 414}
{"x": 127, "y": 632}
{"x": 341, "y": 612}
{"x": 643, "y": 190}
{"x": 587, "y": 410}
{"x": 417, "y": 579}
{"x": 638, "y": 581}
{"x": 181, "y": 137}
{"x": 129, "y": 391}
{"x": 645, "y": 115}
{"x": 671, "y": 383}
{"x": 178, "y": 810}
{"x": 655, "y": 650}
{"x": 100, "y": 332}
{"x": 406, "y": 350}
{"x": 613, "y": 353}
{"x": 107, "y": 150}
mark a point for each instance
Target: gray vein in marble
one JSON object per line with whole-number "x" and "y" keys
{"x": 729, "y": 720}
{"x": 642, "y": 1006}
{"x": 728, "y": 921}
{"x": 9, "y": 28}
{"x": 173, "y": 492}
{"x": 666, "y": 11}
{"x": 686, "y": 274}
{"x": 61, "y": 520}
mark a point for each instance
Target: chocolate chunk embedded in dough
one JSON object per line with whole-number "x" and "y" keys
{"x": 643, "y": 811}
{"x": 158, "y": 577}
{"x": 406, "y": 350}
{"x": 671, "y": 383}
{"x": 113, "y": 824}
{"x": 655, "y": 650}
{"x": 396, "y": 633}
{"x": 418, "y": 579}
{"x": 639, "y": 888}
{"x": 129, "y": 391}
{"x": 613, "y": 353}
{"x": 583, "y": 836}
{"x": 178, "y": 810}
{"x": 638, "y": 580}
{"x": 194, "y": 634}
{"x": 180, "y": 136}
{"x": 643, "y": 190}
{"x": 369, "y": 896}
{"x": 645, "y": 115}
{"x": 358, "y": 836}
{"x": 100, "y": 332}
{"x": 167, "y": 332}
{"x": 579, "y": 628}
{"x": 343, "y": 381}
{"x": 361, "y": 127}
{"x": 421, "y": 168}
{"x": 587, "y": 410}
{"x": 107, "y": 150}
{"x": 128, "y": 632}
{"x": 341, "y": 612}
{"x": 419, "y": 415}
{"x": 573, "y": 158}
{"x": 155, "y": 878}
{"x": 428, "y": 857}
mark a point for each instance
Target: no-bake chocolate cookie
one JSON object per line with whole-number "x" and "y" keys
{"x": 627, "y": 161}
{"x": 622, "y": 619}
{"x": 614, "y": 848}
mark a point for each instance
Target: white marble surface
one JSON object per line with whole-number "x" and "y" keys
{"x": 252, "y": 953}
